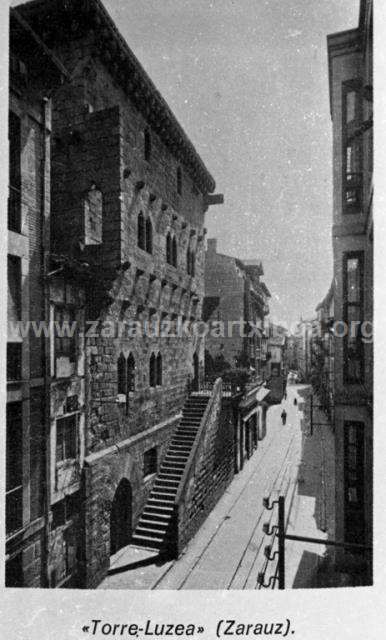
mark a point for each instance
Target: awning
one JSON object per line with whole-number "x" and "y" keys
{"x": 261, "y": 394}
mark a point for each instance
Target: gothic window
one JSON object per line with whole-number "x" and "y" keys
{"x": 122, "y": 380}
{"x": 159, "y": 370}
{"x": 130, "y": 373}
{"x": 174, "y": 252}
{"x": 152, "y": 371}
{"x": 169, "y": 249}
{"x": 149, "y": 236}
{"x": 141, "y": 231}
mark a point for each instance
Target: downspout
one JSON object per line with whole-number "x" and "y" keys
{"x": 46, "y": 210}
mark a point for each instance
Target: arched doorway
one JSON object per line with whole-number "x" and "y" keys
{"x": 196, "y": 365}
{"x": 121, "y": 517}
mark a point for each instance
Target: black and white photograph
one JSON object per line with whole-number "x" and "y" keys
{"x": 188, "y": 399}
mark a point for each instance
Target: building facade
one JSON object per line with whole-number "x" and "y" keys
{"x": 124, "y": 199}
{"x": 350, "y": 74}
{"x": 28, "y": 352}
{"x": 237, "y": 298}
{"x": 322, "y": 354}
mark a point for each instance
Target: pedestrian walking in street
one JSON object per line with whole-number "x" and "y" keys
{"x": 295, "y": 401}
{"x": 285, "y": 394}
{"x": 284, "y": 416}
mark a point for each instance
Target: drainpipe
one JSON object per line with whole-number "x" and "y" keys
{"x": 45, "y": 212}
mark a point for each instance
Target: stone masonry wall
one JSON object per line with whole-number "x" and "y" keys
{"x": 212, "y": 471}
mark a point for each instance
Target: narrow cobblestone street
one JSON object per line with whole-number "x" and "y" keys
{"x": 228, "y": 550}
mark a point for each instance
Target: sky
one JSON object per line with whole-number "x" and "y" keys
{"x": 248, "y": 81}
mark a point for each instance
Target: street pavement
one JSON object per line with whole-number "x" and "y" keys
{"x": 228, "y": 550}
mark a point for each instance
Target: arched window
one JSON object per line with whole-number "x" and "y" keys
{"x": 141, "y": 231}
{"x": 179, "y": 180}
{"x": 147, "y": 145}
{"x": 168, "y": 249}
{"x": 149, "y": 236}
{"x": 174, "y": 252}
{"x": 130, "y": 373}
{"x": 159, "y": 369}
{"x": 122, "y": 380}
{"x": 152, "y": 371}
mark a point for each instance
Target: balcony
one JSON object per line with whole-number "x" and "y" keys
{"x": 14, "y": 209}
{"x": 353, "y": 189}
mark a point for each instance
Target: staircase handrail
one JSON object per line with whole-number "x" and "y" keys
{"x": 200, "y": 434}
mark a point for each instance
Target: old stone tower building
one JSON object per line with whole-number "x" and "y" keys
{"x": 127, "y": 251}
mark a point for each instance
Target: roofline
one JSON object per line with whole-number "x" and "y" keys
{"x": 139, "y": 82}
{"x": 346, "y": 38}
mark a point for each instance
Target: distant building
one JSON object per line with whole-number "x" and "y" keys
{"x": 302, "y": 339}
{"x": 351, "y": 89}
{"x": 236, "y": 297}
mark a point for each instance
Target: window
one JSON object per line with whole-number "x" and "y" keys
{"x": 145, "y": 233}
{"x": 65, "y": 338}
{"x": 147, "y": 145}
{"x": 169, "y": 249}
{"x": 14, "y": 468}
{"x": 66, "y": 438}
{"x": 122, "y": 380}
{"x": 353, "y": 317}
{"x": 159, "y": 370}
{"x": 131, "y": 373}
{"x": 14, "y": 201}
{"x": 179, "y": 181}
{"x": 354, "y": 516}
{"x": 191, "y": 259}
{"x": 93, "y": 216}
{"x": 14, "y": 571}
{"x": 141, "y": 232}
{"x": 174, "y": 252}
{"x": 149, "y": 236}
{"x": 14, "y": 351}
{"x": 352, "y": 147}
{"x": 14, "y": 288}
{"x": 150, "y": 462}
{"x": 152, "y": 371}
{"x": 64, "y": 510}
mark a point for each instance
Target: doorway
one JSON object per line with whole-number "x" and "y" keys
{"x": 196, "y": 374}
{"x": 121, "y": 517}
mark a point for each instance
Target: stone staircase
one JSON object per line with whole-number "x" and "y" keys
{"x": 153, "y": 524}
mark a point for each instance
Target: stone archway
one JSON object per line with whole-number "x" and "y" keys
{"x": 121, "y": 517}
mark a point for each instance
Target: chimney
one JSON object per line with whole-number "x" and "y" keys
{"x": 212, "y": 245}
